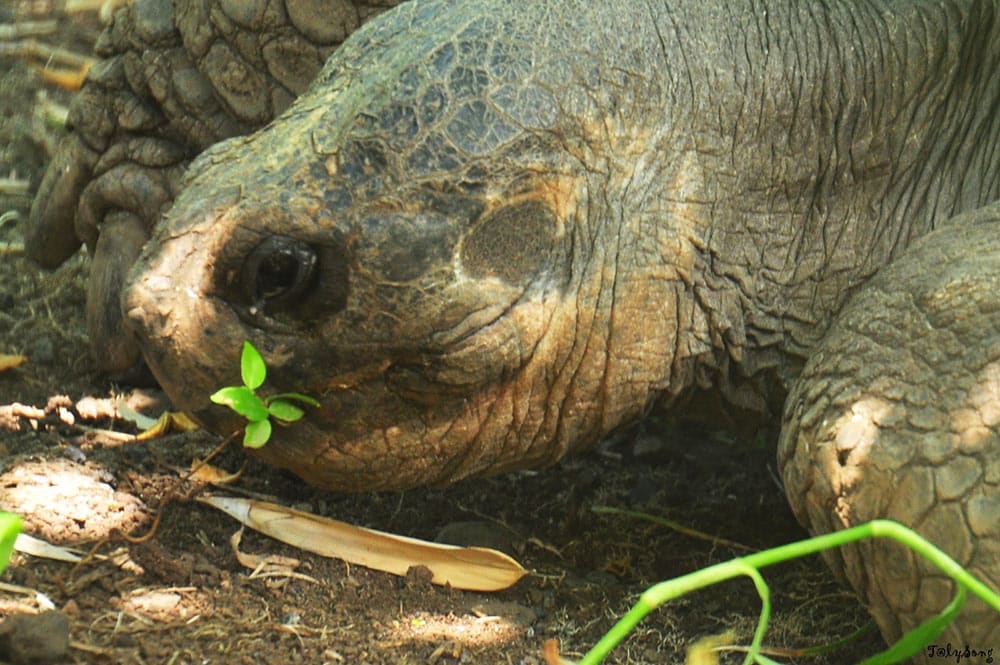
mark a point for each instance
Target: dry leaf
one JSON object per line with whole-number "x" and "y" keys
{"x": 257, "y": 562}
{"x": 10, "y": 362}
{"x": 705, "y": 651}
{"x": 271, "y": 565}
{"x": 472, "y": 568}
{"x": 40, "y": 548}
{"x": 67, "y": 79}
{"x": 169, "y": 421}
{"x": 207, "y": 473}
{"x": 550, "y": 651}
{"x": 140, "y": 420}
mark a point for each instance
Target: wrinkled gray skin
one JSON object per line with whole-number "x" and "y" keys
{"x": 489, "y": 233}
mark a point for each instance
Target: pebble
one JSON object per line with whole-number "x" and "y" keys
{"x": 34, "y": 639}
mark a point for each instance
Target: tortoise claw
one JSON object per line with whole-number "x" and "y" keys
{"x": 115, "y": 217}
{"x": 114, "y": 348}
{"x": 50, "y": 237}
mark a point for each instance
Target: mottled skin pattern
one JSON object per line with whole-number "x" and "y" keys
{"x": 491, "y": 232}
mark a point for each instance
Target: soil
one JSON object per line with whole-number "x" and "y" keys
{"x": 182, "y": 596}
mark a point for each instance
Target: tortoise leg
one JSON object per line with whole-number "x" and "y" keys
{"x": 118, "y": 210}
{"x": 897, "y": 415}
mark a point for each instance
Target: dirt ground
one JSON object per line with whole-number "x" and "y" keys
{"x": 182, "y": 596}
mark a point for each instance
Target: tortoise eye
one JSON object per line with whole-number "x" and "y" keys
{"x": 279, "y": 272}
{"x": 287, "y": 281}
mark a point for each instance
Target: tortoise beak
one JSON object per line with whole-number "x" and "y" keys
{"x": 174, "y": 324}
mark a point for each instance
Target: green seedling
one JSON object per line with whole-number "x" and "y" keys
{"x": 10, "y": 526}
{"x": 259, "y": 410}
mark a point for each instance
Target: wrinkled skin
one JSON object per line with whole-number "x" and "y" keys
{"x": 488, "y": 234}
{"x": 178, "y": 76}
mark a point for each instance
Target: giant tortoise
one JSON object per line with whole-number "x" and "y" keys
{"x": 489, "y": 232}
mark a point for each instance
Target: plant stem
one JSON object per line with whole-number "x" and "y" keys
{"x": 660, "y": 593}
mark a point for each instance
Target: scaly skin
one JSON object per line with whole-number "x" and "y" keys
{"x": 177, "y": 77}
{"x": 491, "y": 232}
{"x": 897, "y": 415}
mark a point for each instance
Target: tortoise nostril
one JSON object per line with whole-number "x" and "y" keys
{"x": 280, "y": 271}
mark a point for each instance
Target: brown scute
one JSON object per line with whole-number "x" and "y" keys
{"x": 511, "y": 243}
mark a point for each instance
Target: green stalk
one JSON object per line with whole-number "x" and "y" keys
{"x": 748, "y": 565}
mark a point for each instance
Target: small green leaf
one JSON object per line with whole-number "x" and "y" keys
{"x": 252, "y": 367}
{"x": 10, "y": 526}
{"x": 243, "y": 401}
{"x": 257, "y": 433}
{"x": 229, "y": 395}
{"x": 285, "y": 411}
{"x": 298, "y": 397}
{"x": 916, "y": 640}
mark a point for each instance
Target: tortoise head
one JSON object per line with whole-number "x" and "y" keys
{"x": 417, "y": 243}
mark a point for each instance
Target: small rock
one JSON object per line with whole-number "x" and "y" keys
{"x": 513, "y": 612}
{"x": 74, "y": 454}
{"x": 34, "y": 639}
{"x": 419, "y": 577}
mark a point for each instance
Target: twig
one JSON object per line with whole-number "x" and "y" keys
{"x": 9, "y": 217}
{"x": 10, "y": 31}
{"x": 32, "y": 48}
{"x": 103, "y": 6}
{"x": 39, "y": 597}
{"x": 73, "y": 6}
{"x": 13, "y": 186}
